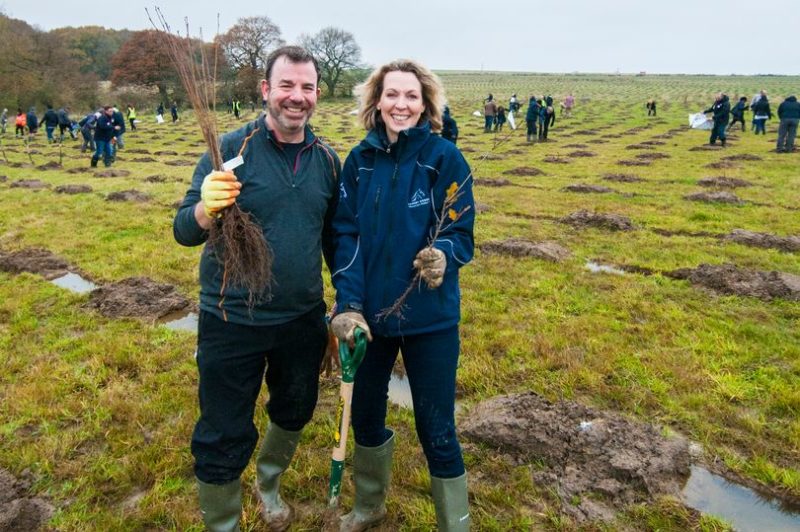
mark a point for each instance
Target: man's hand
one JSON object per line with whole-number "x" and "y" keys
{"x": 344, "y": 327}
{"x": 431, "y": 264}
{"x": 219, "y": 190}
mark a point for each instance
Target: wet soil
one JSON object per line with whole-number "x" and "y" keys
{"x": 129, "y": 195}
{"x": 613, "y": 222}
{"x": 19, "y": 510}
{"x": 34, "y": 184}
{"x": 623, "y": 178}
{"x": 112, "y": 173}
{"x": 724, "y": 182}
{"x": 517, "y": 247}
{"x": 524, "y": 171}
{"x": 73, "y": 189}
{"x": 715, "y": 197}
{"x": 137, "y": 297}
{"x": 728, "y": 279}
{"x": 34, "y": 260}
{"x": 764, "y": 240}
{"x": 584, "y": 188}
{"x": 598, "y": 462}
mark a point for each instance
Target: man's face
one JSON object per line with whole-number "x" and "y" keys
{"x": 291, "y": 94}
{"x": 109, "y": 112}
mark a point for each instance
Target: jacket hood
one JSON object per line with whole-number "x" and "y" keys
{"x": 409, "y": 141}
{"x": 791, "y": 99}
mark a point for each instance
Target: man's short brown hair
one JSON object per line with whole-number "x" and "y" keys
{"x": 293, "y": 54}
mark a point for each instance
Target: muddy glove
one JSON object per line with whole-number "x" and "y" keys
{"x": 330, "y": 362}
{"x": 431, "y": 264}
{"x": 344, "y": 327}
{"x": 219, "y": 190}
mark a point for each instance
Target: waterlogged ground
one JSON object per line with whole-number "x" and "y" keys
{"x": 630, "y": 319}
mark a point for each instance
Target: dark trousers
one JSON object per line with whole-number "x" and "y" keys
{"x": 651, "y": 111}
{"x": 544, "y": 127}
{"x": 761, "y": 125}
{"x": 67, "y": 128}
{"x": 488, "y": 122}
{"x": 531, "y": 128}
{"x": 787, "y": 131}
{"x": 430, "y": 361}
{"x": 231, "y": 360}
{"x": 718, "y": 132}
{"x": 133, "y": 123}
{"x": 735, "y": 120}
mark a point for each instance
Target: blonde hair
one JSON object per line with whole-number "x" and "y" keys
{"x": 369, "y": 93}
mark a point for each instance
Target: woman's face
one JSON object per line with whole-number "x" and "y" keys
{"x": 401, "y": 102}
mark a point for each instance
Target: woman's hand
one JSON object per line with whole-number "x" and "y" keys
{"x": 431, "y": 263}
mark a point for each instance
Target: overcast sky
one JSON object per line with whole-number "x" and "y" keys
{"x": 680, "y": 36}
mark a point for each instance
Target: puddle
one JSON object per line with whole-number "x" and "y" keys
{"x": 75, "y": 283}
{"x": 596, "y": 267}
{"x": 745, "y": 509}
{"x": 400, "y": 390}
{"x": 180, "y": 321}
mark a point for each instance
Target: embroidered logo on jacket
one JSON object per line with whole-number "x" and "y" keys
{"x": 419, "y": 199}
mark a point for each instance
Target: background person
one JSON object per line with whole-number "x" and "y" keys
{"x": 381, "y": 239}
{"x": 721, "y": 109}
{"x": 65, "y": 123}
{"x": 104, "y": 133}
{"x": 737, "y": 113}
{"x": 531, "y": 117}
{"x": 3, "y": 121}
{"x": 449, "y": 126}
{"x": 789, "y": 115}
{"x": 489, "y": 112}
{"x": 19, "y": 123}
{"x": 761, "y": 113}
{"x": 50, "y": 121}
{"x": 288, "y": 182}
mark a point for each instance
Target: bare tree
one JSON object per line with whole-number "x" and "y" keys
{"x": 249, "y": 42}
{"x": 337, "y": 52}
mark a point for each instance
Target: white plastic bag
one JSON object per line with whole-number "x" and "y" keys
{"x": 477, "y": 113}
{"x": 159, "y": 119}
{"x": 512, "y": 124}
{"x": 700, "y": 121}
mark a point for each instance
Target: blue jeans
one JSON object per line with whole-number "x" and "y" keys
{"x": 50, "y": 131}
{"x": 718, "y": 131}
{"x": 430, "y": 361}
{"x": 760, "y": 125}
{"x": 103, "y": 148}
{"x": 488, "y": 123}
{"x": 231, "y": 359}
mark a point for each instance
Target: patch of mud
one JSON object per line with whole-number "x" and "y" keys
{"x": 144, "y": 160}
{"x": 613, "y": 222}
{"x": 492, "y": 182}
{"x": 652, "y": 143}
{"x": 582, "y": 153}
{"x": 165, "y": 152}
{"x": 715, "y": 197}
{"x": 652, "y": 156}
{"x": 19, "y": 511}
{"x": 179, "y": 163}
{"x": 34, "y": 260}
{"x": 33, "y": 184}
{"x": 641, "y": 146}
{"x": 743, "y": 157}
{"x": 137, "y": 297}
{"x": 524, "y": 171}
{"x": 584, "y": 188}
{"x": 598, "y": 462}
{"x": 79, "y": 170}
{"x": 628, "y": 162}
{"x": 73, "y": 189}
{"x": 112, "y": 173}
{"x": 517, "y": 247}
{"x": 728, "y": 279}
{"x": 720, "y": 165}
{"x": 129, "y": 195}
{"x": 555, "y": 159}
{"x": 622, "y": 178}
{"x": 724, "y": 182}
{"x": 50, "y": 165}
{"x": 764, "y": 240}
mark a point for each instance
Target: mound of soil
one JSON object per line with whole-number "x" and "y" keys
{"x": 165, "y": 152}
{"x": 555, "y": 159}
{"x": 179, "y": 163}
{"x": 724, "y": 182}
{"x": 622, "y": 178}
{"x": 144, "y": 160}
{"x": 652, "y": 143}
{"x": 139, "y": 150}
{"x": 720, "y": 165}
{"x": 34, "y": 260}
{"x": 612, "y": 222}
{"x": 641, "y": 146}
{"x": 137, "y": 297}
{"x": 517, "y": 247}
{"x": 730, "y": 280}
{"x": 73, "y": 189}
{"x": 18, "y": 509}
{"x": 651, "y": 156}
{"x": 582, "y": 153}
{"x": 524, "y": 171}
{"x": 715, "y": 197}
{"x": 764, "y": 240}
{"x": 112, "y": 173}
{"x": 600, "y": 459}
{"x": 34, "y": 184}
{"x": 128, "y": 195}
{"x": 19, "y": 165}
{"x": 78, "y": 170}
{"x": 50, "y": 165}
{"x": 584, "y": 188}
{"x": 743, "y": 157}
{"x": 706, "y": 147}
{"x": 625, "y": 162}
{"x": 492, "y": 182}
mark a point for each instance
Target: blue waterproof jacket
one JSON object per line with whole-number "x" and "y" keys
{"x": 390, "y": 201}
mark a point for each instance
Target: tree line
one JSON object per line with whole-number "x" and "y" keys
{"x": 64, "y": 66}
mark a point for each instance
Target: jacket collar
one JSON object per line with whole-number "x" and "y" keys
{"x": 409, "y": 141}
{"x": 261, "y": 122}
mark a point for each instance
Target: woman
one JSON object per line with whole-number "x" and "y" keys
{"x": 761, "y": 113}
{"x": 395, "y": 229}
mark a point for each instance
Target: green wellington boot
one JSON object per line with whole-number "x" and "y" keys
{"x": 274, "y": 457}
{"x": 221, "y": 505}
{"x": 452, "y": 505}
{"x": 372, "y": 470}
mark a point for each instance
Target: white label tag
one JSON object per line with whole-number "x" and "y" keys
{"x": 236, "y": 162}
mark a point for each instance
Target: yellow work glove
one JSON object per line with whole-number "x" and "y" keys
{"x": 431, "y": 264}
{"x": 344, "y": 327}
{"x": 219, "y": 190}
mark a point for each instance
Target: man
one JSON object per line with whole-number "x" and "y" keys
{"x": 32, "y": 121}
{"x": 449, "y": 126}
{"x": 65, "y": 123}
{"x": 737, "y": 112}
{"x": 531, "y": 118}
{"x": 721, "y": 110}
{"x": 119, "y": 143}
{"x": 174, "y": 111}
{"x": 50, "y": 121}
{"x": 87, "y": 125}
{"x": 132, "y": 116}
{"x": 789, "y": 115}
{"x": 489, "y": 112}
{"x": 105, "y": 128}
{"x": 288, "y": 183}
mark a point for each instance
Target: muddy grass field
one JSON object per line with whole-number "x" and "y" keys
{"x": 631, "y": 317}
